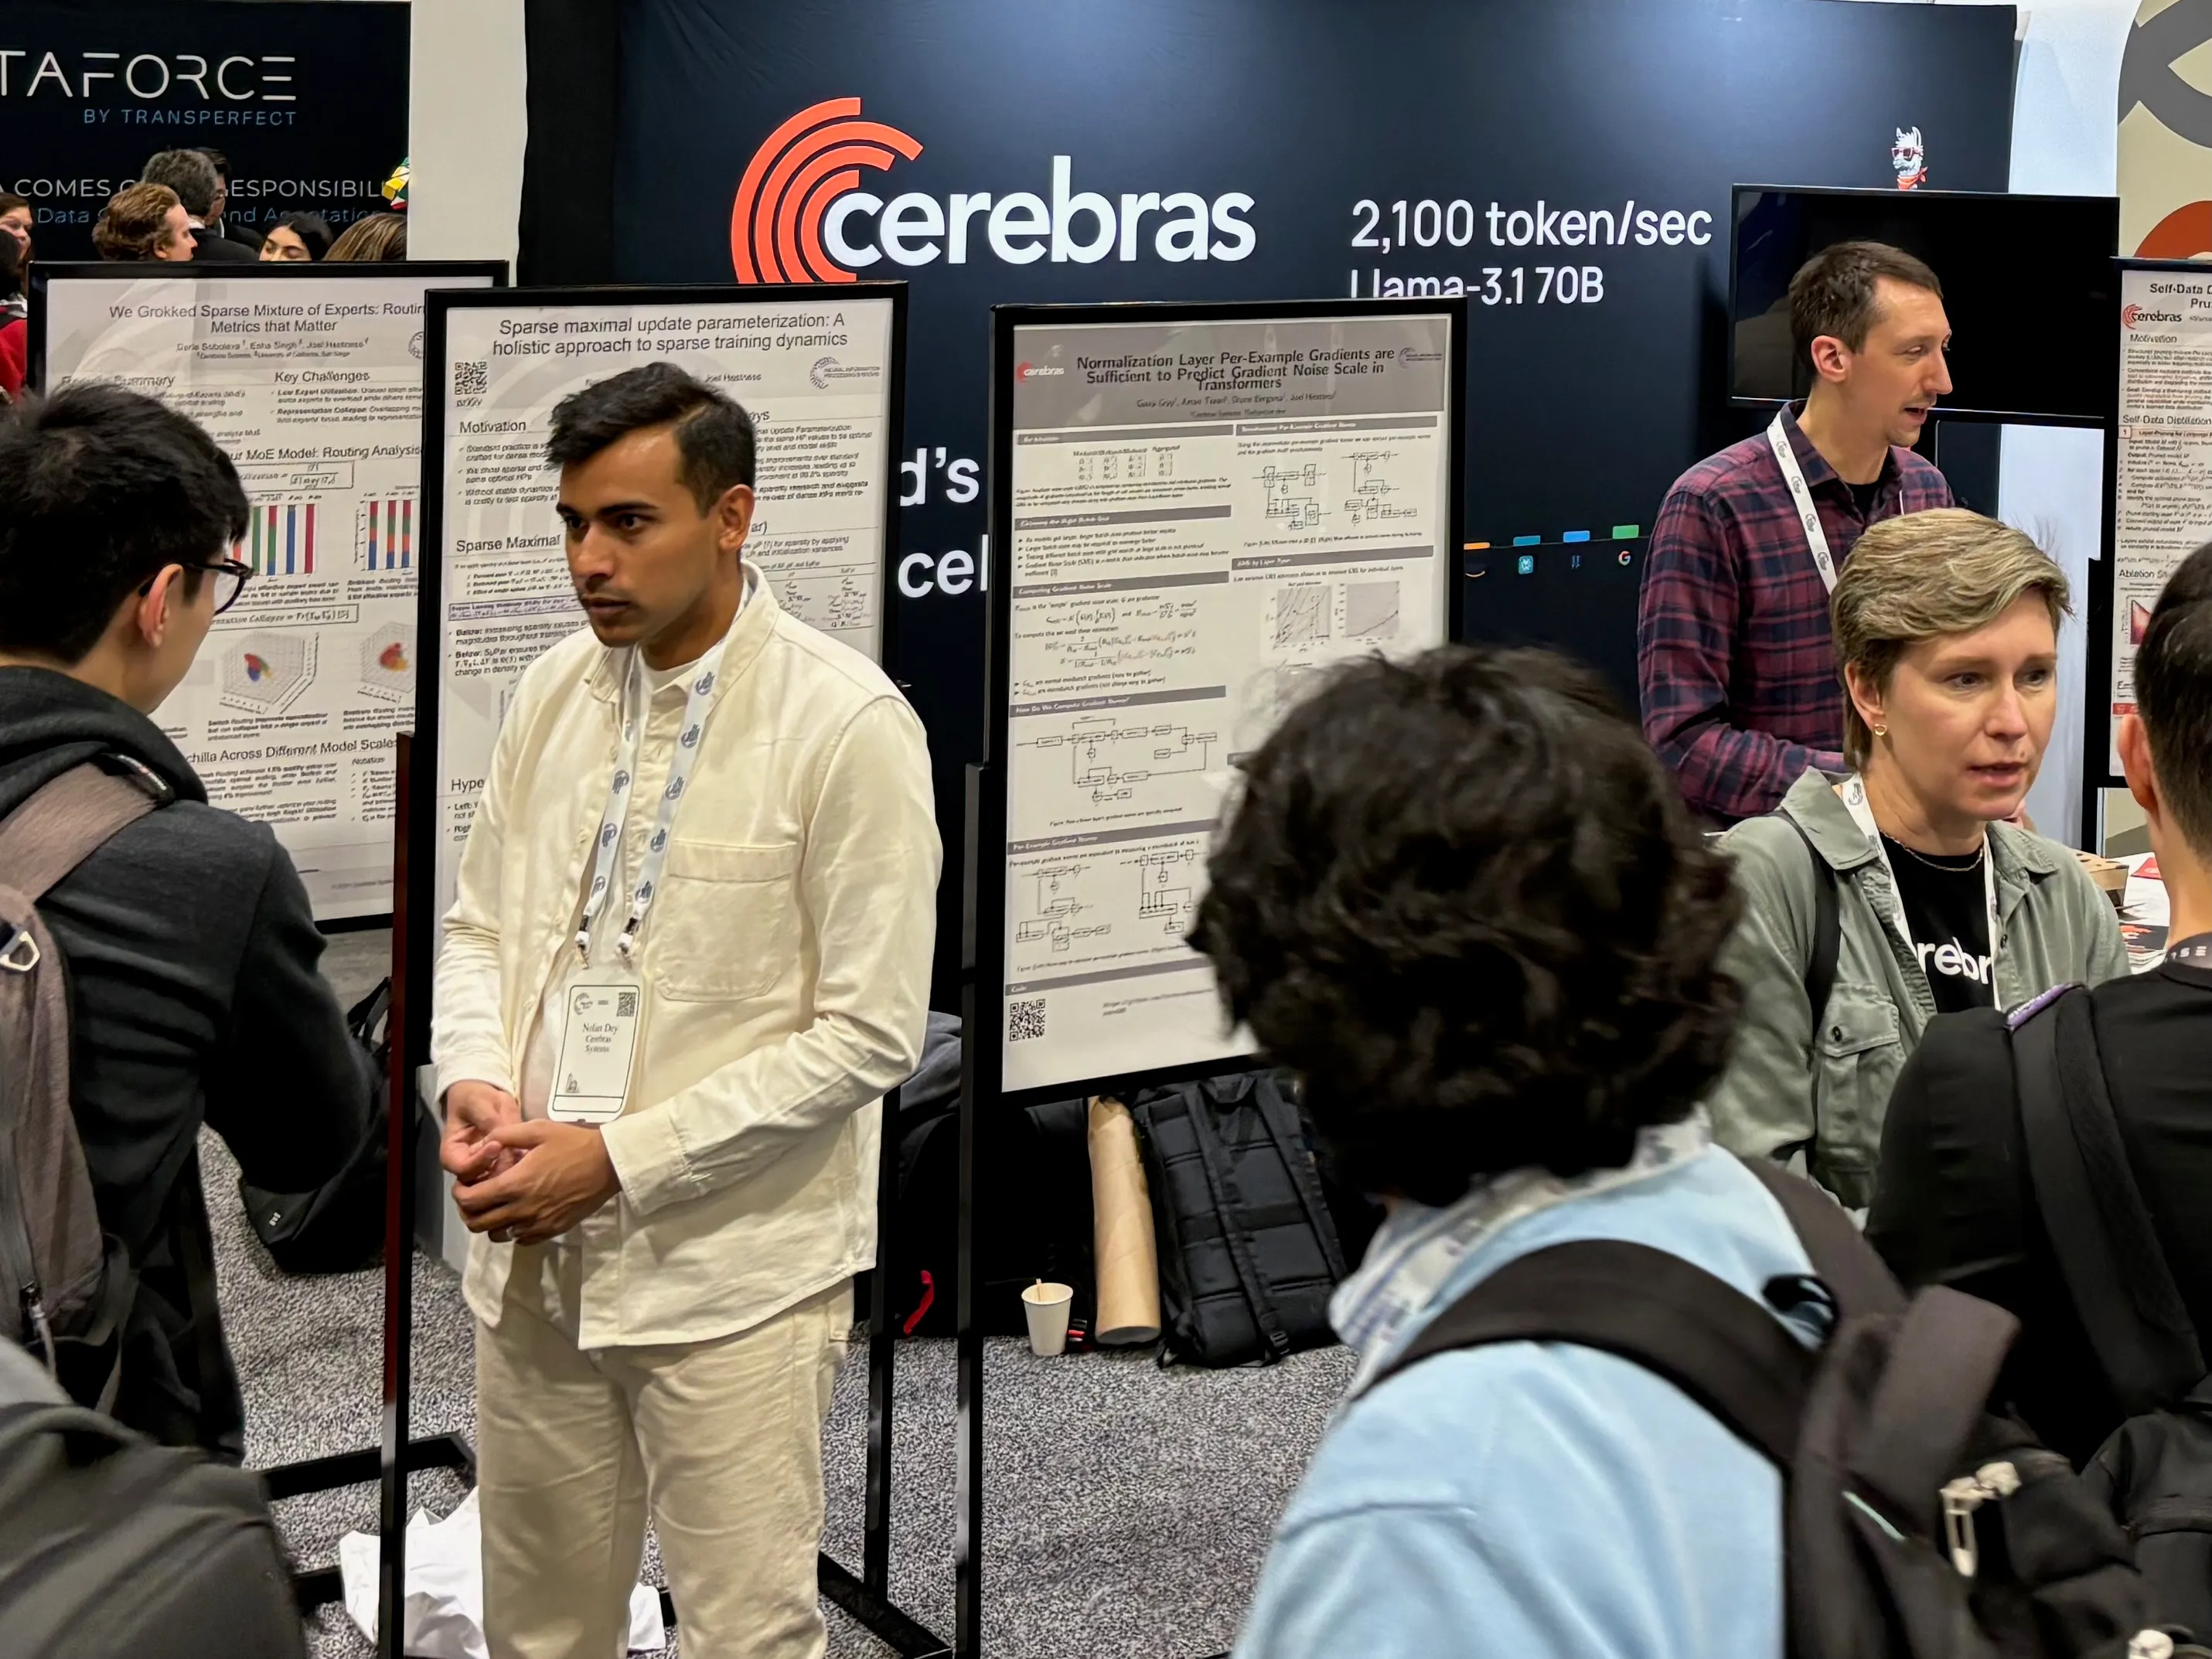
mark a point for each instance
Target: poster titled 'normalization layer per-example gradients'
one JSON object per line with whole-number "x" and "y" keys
{"x": 314, "y": 385}
{"x": 1206, "y": 515}
{"x": 816, "y": 378}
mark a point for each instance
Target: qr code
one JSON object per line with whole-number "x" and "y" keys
{"x": 471, "y": 379}
{"x": 625, "y": 1004}
{"x": 1025, "y": 1020}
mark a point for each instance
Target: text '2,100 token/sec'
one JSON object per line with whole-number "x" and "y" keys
{"x": 1408, "y": 226}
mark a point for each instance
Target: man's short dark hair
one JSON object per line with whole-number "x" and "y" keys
{"x": 1833, "y": 292}
{"x": 187, "y": 172}
{"x": 713, "y": 434}
{"x": 217, "y": 159}
{"x": 100, "y": 488}
{"x": 1463, "y": 898}
{"x": 2174, "y": 695}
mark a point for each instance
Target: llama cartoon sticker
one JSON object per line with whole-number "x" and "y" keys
{"x": 1909, "y": 158}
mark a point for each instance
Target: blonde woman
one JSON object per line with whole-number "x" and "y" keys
{"x": 1946, "y": 633}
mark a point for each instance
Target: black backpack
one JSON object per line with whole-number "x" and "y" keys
{"x": 1918, "y": 1524}
{"x": 1248, "y": 1249}
{"x": 338, "y": 1228}
{"x": 68, "y": 1285}
{"x": 2155, "y": 1470}
{"x": 112, "y": 1548}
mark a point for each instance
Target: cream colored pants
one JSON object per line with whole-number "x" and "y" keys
{"x": 721, "y": 1442}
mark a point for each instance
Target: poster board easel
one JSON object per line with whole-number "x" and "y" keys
{"x": 2158, "y": 304}
{"x": 1329, "y": 480}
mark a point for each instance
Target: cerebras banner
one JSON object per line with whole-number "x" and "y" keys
{"x": 1566, "y": 163}
{"x": 308, "y": 101}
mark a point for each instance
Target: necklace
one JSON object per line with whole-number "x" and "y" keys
{"x": 1974, "y": 863}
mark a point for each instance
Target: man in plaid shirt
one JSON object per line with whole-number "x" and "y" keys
{"x": 1736, "y": 663}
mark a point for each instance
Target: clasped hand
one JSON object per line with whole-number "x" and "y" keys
{"x": 520, "y": 1182}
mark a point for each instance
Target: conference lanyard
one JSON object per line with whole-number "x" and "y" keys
{"x": 636, "y": 711}
{"x": 1777, "y": 438}
{"x": 1855, "y": 801}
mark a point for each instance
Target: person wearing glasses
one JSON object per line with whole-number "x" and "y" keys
{"x": 191, "y": 950}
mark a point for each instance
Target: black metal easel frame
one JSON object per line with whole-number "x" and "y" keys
{"x": 983, "y": 931}
{"x": 866, "y": 1597}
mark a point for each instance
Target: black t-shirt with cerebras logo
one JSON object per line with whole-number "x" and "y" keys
{"x": 1946, "y": 906}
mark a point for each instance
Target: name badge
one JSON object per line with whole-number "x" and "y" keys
{"x": 599, "y": 1021}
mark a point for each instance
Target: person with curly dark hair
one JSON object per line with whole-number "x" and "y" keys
{"x": 1463, "y": 899}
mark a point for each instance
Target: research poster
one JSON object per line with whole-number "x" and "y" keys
{"x": 817, "y": 378}
{"x": 2162, "y": 489}
{"x": 313, "y": 384}
{"x": 1206, "y": 516}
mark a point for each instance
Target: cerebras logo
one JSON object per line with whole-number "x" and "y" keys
{"x": 2135, "y": 316}
{"x": 801, "y": 216}
{"x": 1037, "y": 371}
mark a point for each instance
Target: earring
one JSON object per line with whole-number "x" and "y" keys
{"x": 1881, "y": 730}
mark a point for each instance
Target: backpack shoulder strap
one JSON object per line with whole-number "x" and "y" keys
{"x": 2091, "y": 1210}
{"x": 1854, "y": 1274}
{"x": 1728, "y": 1353}
{"x": 1235, "y": 1218}
{"x": 1827, "y": 928}
{"x": 1287, "y": 1129}
{"x": 63, "y": 823}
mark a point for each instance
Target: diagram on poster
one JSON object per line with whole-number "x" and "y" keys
{"x": 265, "y": 671}
{"x": 313, "y": 383}
{"x": 815, "y": 374}
{"x": 1189, "y": 557}
{"x": 387, "y": 663}
{"x": 2162, "y": 483}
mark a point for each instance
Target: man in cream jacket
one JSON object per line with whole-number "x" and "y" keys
{"x": 689, "y": 953}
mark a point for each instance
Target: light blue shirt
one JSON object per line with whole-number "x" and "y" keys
{"x": 1544, "y": 1500}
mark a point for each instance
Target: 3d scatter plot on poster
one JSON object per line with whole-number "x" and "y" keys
{"x": 264, "y": 672}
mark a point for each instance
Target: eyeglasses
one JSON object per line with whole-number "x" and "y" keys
{"x": 229, "y": 574}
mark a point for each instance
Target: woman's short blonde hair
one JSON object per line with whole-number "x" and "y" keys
{"x": 135, "y": 223}
{"x": 1924, "y": 576}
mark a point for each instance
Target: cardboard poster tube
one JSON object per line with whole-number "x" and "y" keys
{"x": 1129, "y": 1261}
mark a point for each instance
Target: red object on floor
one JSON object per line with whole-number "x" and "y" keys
{"x": 928, "y": 1300}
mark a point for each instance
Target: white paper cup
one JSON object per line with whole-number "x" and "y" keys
{"x": 1047, "y": 1308}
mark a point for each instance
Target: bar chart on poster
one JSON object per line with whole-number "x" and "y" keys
{"x": 314, "y": 385}
{"x": 1206, "y": 516}
{"x": 817, "y": 374}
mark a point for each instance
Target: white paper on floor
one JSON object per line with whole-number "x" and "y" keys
{"x": 444, "y": 1617}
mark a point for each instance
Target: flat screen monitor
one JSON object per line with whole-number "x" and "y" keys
{"x": 2027, "y": 283}
{"x": 1578, "y": 598}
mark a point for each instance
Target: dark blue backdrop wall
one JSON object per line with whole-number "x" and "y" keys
{"x": 309, "y": 100}
{"x": 1566, "y": 161}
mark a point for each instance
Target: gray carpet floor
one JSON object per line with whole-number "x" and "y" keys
{"x": 1127, "y": 1507}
